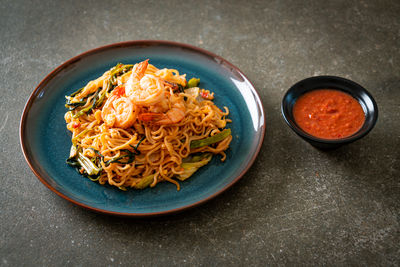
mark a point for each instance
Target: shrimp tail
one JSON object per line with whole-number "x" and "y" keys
{"x": 174, "y": 115}
{"x": 140, "y": 68}
{"x": 153, "y": 117}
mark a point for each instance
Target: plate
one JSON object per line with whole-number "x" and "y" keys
{"x": 45, "y": 141}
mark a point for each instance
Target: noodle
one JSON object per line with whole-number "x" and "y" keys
{"x": 135, "y": 125}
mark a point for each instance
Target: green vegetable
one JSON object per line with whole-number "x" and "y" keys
{"x": 73, "y": 140}
{"x": 74, "y": 163}
{"x": 192, "y": 166}
{"x": 94, "y": 179}
{"x": 120, "y": 68}
{"x": 211, "y": 140}
{"x": 137, "y": 152}
{"x": 78, "y": 160}
{"x": 145, "y": 182}
{"x": 115, "y": 72}
{"x": 88, "y": 108}
{"x": 129, "y": 156}
{"x": 97, "y": 153}
{"x": 88, "y": 165}
{"x": 76, "y": 92}
{"x": 194, "y": 82}
{"x": 81, "y": 112}
{"x": 73, "y": 151}
{"x": 73, "y": 106}
{"x": 98, "y": 99}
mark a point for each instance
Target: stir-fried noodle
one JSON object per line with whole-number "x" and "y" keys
{"x": 138, "y": 125}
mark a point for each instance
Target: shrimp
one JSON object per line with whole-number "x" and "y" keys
{"x": 119, "y": 112}
{"x": 144, "y": 89}
{"x": 174, "y": 115}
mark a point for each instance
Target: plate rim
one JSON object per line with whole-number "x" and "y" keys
{"x": 134, "y": 43}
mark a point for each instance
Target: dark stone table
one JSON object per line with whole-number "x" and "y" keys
{"x": 296, "y": 205}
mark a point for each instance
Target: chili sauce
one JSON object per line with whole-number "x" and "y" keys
{"x": 328, "y": 114}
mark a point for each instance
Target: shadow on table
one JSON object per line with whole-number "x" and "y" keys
{"x": 371, "y": 164}
{"x": 236, "y": 208}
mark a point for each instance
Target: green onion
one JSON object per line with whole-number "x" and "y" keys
{"x": 102, "y": 96}
{"x": 120, "y": 68}
{"x": 88, "y": 108}
{"x": 78, "y": 161}
{"x": 130, "y": 157}
{"x": 73, "y": 151}
{"x": 94, "y": 179}
{"x": 97, "y": 152}
{"x": 76, "y": 92}
{"x": 72, "y": 106}
{"x": 73, "y": 163}
{"x": 88, "y": 165}
{"x": 211, "y": 140}
{"x": 98, "y": 100}
{"x": 73, "y": 140}
{"x": 137, "y": 152}
{"x": 115, "y": 72}
{"x": 81, "y": 112}
{"x": 123, "y": 188}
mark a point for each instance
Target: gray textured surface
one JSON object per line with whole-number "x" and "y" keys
{"x": 296, "y": 205}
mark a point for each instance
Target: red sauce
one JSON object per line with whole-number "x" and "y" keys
{"x": 328, "y": 114}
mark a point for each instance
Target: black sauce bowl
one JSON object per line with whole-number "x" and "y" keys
{"x": 365, "y": 99}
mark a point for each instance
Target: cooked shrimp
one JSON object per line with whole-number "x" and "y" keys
{"x": 174, "y": 115}
{"x": 119, "y": 112}
{"x": 144, "y": 89}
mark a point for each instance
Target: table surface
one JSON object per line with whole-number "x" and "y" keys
{"x": 296, "y": 204}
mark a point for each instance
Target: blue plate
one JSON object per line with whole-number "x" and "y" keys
{"x": 46, "y": 142}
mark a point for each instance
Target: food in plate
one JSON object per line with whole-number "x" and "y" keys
{"x": 137, "y": 125}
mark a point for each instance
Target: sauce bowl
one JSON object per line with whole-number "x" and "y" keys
{"x": 358, "y": 92}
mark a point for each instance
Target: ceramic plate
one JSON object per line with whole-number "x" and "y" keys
{"x": 46, "y": 142}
